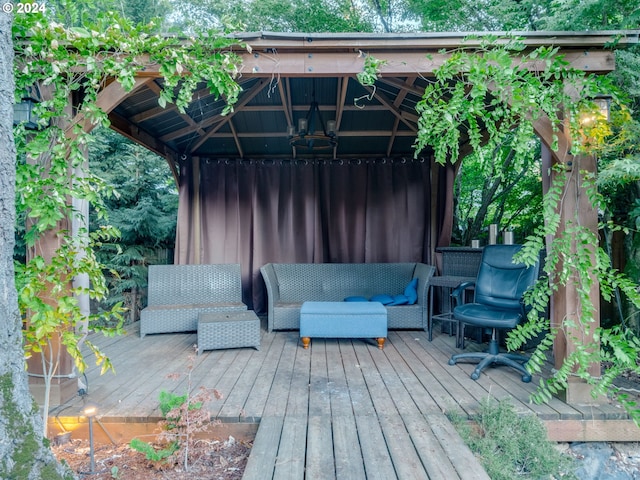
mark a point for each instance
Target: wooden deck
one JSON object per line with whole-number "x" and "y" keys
{"x": 341, "y": 409}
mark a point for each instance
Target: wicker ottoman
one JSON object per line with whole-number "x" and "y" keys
{"x": 343, "y": 320}
{"x": 230, "y": 329}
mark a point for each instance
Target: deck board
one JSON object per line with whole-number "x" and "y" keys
{"x": 342, "y": 409}
{"x": 290, "y": 463}
{"x": 257, "y": 398}
{"x": 348, "y": 457}
{"x": 319, "y": 453}
{"x": 232, "y": 408}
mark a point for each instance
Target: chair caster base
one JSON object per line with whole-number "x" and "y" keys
{"x": 488, "y": 359}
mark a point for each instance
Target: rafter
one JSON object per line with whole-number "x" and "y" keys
{"x": 285, "y": 98}
{"x": 395, "y": 111}
{"x": 404, "y": 88}
{"x": 246, "y": 98}
{"x": 236, "y": 138}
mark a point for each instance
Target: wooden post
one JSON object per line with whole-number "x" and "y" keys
{"x": 63, "y": 385}
{"x": 574, "y": 209}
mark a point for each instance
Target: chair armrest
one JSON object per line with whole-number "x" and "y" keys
{"x": 423, "y": 273}
{"x": 273, "y": 292}
{"x": 459, "y": 290}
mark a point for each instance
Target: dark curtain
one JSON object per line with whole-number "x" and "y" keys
{"x": 295, "y": 211}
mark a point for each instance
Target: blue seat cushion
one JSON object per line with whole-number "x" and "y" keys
{"x": 399, "y": 300}
{"x": 356, "y": 298}
{"x": 383, "y": 298}
{"x": 411, "y": 291}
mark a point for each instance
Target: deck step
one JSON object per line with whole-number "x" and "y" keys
{"x": 360, "y": 447}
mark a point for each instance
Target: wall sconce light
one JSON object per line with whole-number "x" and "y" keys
{"x": 23, "y": 112}
{"x": 604, "y": 105}
{"x": 602, "y": 111}
{"x": 307, "y": 138}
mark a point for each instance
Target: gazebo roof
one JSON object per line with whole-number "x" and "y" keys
{"x": 285, "y": 72}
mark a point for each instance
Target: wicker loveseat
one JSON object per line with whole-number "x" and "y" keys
{"x": 289, "y": 285}
{"x": 177, "y": 294}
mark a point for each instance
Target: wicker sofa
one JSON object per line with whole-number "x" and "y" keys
{"x": 289, "y": 285}
{"x": 177, "y": 294}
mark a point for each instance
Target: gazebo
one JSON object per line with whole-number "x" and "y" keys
{"x": 311, "y": 166}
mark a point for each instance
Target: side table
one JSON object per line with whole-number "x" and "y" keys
{"x": 230, "y": 329}
{"x": 446, "y": 283}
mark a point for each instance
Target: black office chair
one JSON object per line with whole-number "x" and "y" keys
{"x": 498, "y": 304}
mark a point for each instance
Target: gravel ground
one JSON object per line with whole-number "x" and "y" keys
{"x": 606, "y": 460}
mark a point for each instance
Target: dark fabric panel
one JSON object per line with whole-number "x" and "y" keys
{"x": 256, "y": 212}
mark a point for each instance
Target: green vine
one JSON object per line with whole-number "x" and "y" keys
{"x": 573, "y": 259}
{"x": 484, "y": 95}
{"x": 63, "y": 63}
{"x": 370, "y": 70}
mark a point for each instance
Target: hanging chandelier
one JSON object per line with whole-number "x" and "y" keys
{"x": 309, "y": 140}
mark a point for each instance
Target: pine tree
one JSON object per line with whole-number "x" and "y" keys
{"x": 143, "y": 207}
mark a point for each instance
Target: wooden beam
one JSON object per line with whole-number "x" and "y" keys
{"x": 285, "y": 98}
{"x": 566, "y": 311}
{"x": 402, "y": 63}
{"x": 236, "y": 139}
{"x": 108, "y": 99}
{"x": 132, "y": 132}
{"x": 592, "y": 430}
{"x": 406, "y": 86}
{"x": 389, "y": 104}
{"x": 349, "y": 133}
{"x": 404, "y": 89}
{"x": 544, "y": 130}
{"x": 341, "y": 103}
{"x": 189, "y": 129}
{"x": 313, "y": 62}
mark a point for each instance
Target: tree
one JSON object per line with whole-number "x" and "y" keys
{"x": 143, "y": 208}
{"x": 498, "y": 188}
{"x": 591, "y": 15}
{"x": 26, "y": 456}
{"x": 279, "y": 15}
{"x": 474, "y": 16}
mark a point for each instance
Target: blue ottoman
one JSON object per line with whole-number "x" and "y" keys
{"x": 343, "y": 320}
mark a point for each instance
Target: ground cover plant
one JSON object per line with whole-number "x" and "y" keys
{"x": 510, "y": 445}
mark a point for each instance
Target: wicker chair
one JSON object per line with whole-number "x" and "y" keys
{"x": 290, "y": 284}
{"x": 179, "y": 293}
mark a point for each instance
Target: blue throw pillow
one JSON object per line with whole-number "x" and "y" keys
{"x": 356, "y": 299}
{"x": 412, "y": 291}
{"x": 399, "y": 300}
{"x": 383, "y": 298}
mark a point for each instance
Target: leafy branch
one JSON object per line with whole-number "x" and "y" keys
{"x": 78, "y": 63}
{"x": 486, "y": 95}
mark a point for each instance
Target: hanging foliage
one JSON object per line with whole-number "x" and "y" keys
{"x": 487, "y": 94}
{"x": 55, "y": 65}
